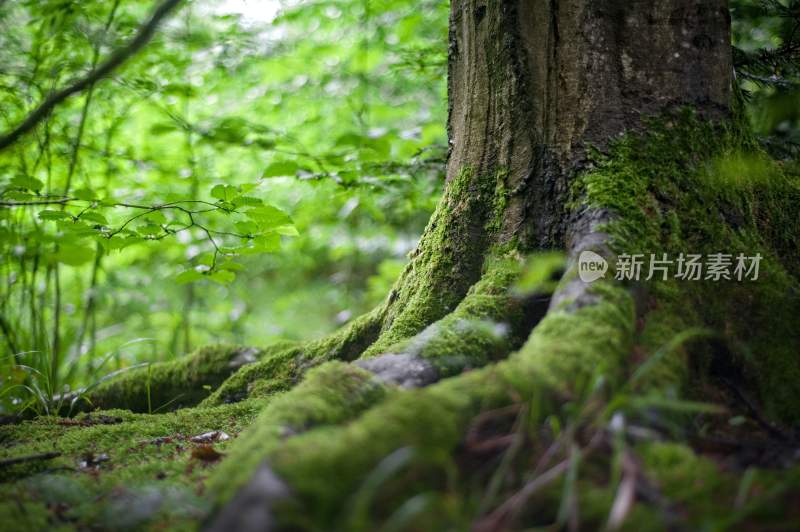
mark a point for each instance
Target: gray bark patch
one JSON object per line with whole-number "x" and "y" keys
{"x": 405, "y": 370}
{"x": 251, "y": 509}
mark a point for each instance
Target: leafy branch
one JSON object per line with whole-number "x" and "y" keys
{"x": 117, "y": 59}
{"x": 260, "y": 229}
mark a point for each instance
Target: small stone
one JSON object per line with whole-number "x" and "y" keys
{"x": 211, "y": 437}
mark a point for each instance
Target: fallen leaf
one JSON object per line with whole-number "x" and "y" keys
{"x": 206, "y": 453}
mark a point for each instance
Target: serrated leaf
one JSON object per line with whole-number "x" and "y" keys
{"x": 247, "y": 201}
{"x": 224, "y": 192}
{"x": 267, "y": 243}
{"x": 268, "y": 217}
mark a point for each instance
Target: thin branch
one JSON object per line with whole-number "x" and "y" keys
{"x": 116, "y": 59}
{"x": 32, "y": 458}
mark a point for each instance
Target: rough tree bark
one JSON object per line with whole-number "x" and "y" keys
{"x": 573, "y": 125}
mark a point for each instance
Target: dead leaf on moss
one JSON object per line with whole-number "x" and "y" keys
{"x": 206, "y": 453}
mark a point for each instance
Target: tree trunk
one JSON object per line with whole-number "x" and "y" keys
{"x": 574, "y": 125}
{"x": 533, "y": 84}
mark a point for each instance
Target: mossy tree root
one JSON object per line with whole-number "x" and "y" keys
{"x": 567, "y": 350}
{"x": 167, "y": 385}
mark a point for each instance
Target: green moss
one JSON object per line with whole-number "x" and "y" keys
{"x": 432, "y": 421}
{"x": 571, "y": 349}
{"x": 663, "y": 345}
{"x": 330, "y": 394}
{"x": 283, "y": 367}
{"x": 144, "y": 471}
{"x": 487, "y": 324}
{"x": 274, "y": 373}
{"x": 499, "y": 202}
{"x": 169, "y": 385}
{"x": 447, "y": 261}
{"x": 712, "y": 498}
{"x": 691, "y": 187}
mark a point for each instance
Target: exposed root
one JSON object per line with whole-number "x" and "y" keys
{"x": 488, "y": 324}
{"x": 434, "y": 420}
{"x": 330, "y": 394}
{"x": 165, "y": 386}
{"x": 285, "y": 365}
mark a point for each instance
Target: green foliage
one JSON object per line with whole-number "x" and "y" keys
{"x": 234, "y": 161}
{"x": 767, "y": 58}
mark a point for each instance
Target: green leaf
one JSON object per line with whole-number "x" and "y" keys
{"x": 247, "y": 187}
{"x": 287, "y": 230}
{"x": 205, "y": 259}
{"x": 15, "y": 195}
{"x": 75, "y": 230}
{"x": 351, "y": 139}
{"x": 91, "y": 216}
{"x": 268, "y": 243}
{"x": 188, "y": 276}
{"x": 49, "y": 214}
{"x": 84, "y": 194}
{"x": 26, "y": 182}
{"x": 149, "y": 229}
{"x": 224, "y": 192}
{"x": 117, "y": 243}
{"x": 162, "y": 128}
{"x": 268, "y": 217}
{"x": 246, "y": 228}
{"x": 247, "y": 201}
{"x": 231, "y": 266}
{"x": 222, "y": 277}
{"x": 281, "y": 168}
{"x": 156, "y": 217}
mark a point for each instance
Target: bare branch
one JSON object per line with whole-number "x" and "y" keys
{"x": 116, "y": 59}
